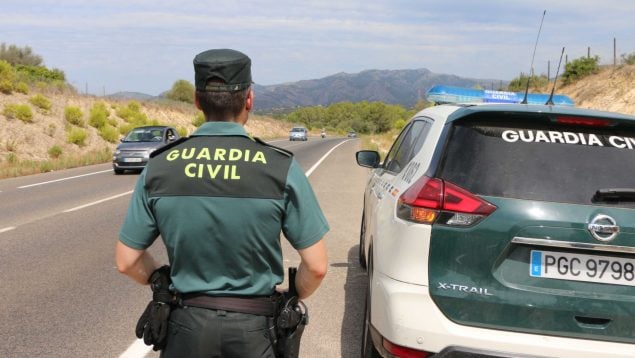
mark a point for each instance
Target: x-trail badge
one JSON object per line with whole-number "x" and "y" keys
{"x": 603, "y": 228}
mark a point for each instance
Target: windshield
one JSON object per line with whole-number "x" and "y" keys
{"x": 144, "y": 135}
{"x": 297, "y": 130}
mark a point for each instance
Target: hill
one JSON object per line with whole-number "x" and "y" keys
{"x": 402, "y": 87}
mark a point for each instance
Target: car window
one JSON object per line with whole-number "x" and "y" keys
{"x": 539, "y": 162}
{"x": 407, "y": 145}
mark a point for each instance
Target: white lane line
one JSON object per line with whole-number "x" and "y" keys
{"x": 97, "y": 202}
{"x": 7, "y": 229}
{"x": 136, "y": 350}
{"x": 322, "y": 159}
{"x": 62, "y": 179}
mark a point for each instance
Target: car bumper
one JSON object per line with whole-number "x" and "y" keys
{"x": 405, "y": 315}
{"x": 122, "y": 165}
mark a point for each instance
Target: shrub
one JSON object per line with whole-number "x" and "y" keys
{"x": 74, "y": 115}
{"x": 628, "y": 59}
{"x": 7, "y": 73}
{"x": 181, "y": 131}
{"x": 55, "y": 151}
{"x": 132, "y": 114}
{"x": 6, "y": 87}
{"x": 77, "y": 136}
{"x": 125, "y": 128}
{"x": 519, "y": 84}
{"x": 98, "y": 116}
{"x": 50, "y": 130}
{"x": 109, "y": 133}
{"x": 20, "y": 111}
{"x": 46, "y": 166}
{"x": 182, "y": 91}
{"x": 22, "y": 87}
{"x": 12, "y": 158}
{"x": 41, "y": 102}
{"x": 199, "y": 119}
{"x": 579, "y": 68}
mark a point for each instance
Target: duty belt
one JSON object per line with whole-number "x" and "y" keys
{"x": 261, "y": 306}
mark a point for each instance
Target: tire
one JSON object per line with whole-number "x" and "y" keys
{"x": 368, "y": 348}
{"x": 118, "y": 171}
{"x": 362, "y": 233}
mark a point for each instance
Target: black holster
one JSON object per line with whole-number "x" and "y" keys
{"x": 290, "y": 321}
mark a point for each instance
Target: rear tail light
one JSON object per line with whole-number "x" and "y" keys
{"x": 403, "y": 352}
{"x": 432, "y": 200}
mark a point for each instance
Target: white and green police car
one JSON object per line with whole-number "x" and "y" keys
{"x": 502, "y": 230}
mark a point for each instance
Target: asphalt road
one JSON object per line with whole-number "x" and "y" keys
{"x": 62, "y": 296}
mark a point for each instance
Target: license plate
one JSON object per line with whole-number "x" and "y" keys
{"x": 581, "y": 267}
{"x": 132, "y": 160}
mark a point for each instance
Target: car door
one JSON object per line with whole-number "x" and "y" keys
{"x": 380, "y": 197}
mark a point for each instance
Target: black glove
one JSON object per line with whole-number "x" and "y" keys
{"x": 153, "y": 323}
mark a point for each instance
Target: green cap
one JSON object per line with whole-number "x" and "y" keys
{"x": 231, "y": 66}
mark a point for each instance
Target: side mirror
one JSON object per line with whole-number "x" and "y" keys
{"x": 367, "y": 158}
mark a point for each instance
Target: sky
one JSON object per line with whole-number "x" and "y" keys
{"x": 108, "y": 46}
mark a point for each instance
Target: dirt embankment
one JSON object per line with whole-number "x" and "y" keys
{"x": 32, "y": 141}
{"x": 612, "y": 89}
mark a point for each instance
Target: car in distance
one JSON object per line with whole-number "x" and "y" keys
{"x": 351, "y": 134}
{"x": 501, "y": 230}
{"x": 134, "y": 150}
{"x": 298, "y": 133}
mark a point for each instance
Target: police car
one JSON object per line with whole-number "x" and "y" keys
{"x": 502, "y": 230}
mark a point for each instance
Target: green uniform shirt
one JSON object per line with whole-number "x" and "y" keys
{"x": 220, "y": 200}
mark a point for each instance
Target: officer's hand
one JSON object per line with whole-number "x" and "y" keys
{"x": 153, "y": 325}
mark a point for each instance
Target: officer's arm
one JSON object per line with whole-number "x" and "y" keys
{"x": 312, "y": 269}
{"x": 136, "y": 264}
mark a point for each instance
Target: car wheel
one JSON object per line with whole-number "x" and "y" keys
{"x": 118, "y": 171}
{"x": 368, "y": 348}
{"x": 362, "y": 233}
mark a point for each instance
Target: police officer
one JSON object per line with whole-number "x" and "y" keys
{"x": 219, "y": 199}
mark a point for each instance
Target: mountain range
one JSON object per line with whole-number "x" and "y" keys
{"x": 402, "y": 87}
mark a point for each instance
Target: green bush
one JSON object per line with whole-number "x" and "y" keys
{"x": 17, "y": 55}
{"x": 109, "y": 133}
{"x": 132, "y": 114}
{"x": 22, "y": 87}
{"x": 182, "y": 91}
{"x": 199, "y": 119}
{"x": 181, "y": 131}
{"x": 41, "y": 102}
{"x": 519, "y": 84}
{"x": 125, "y": 128}
{"x": 77, "y": 136}
{"x": 74, "y": 115}
{"x": 98, "y": 116}
{"x": 579, "y": 68}
{"x": 55, "y": 151}
{"x": 6, "y": 87}
{"x": 7, "y": 73}
{"x": 20, "y": 111}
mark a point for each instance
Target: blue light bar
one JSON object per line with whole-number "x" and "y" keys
{"x": 451, "y": 94}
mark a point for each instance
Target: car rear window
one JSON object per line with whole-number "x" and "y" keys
{"x": 534, "y": 161}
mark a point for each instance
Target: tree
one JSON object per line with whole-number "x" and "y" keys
{"x": 19, "y": 56}
{"x": 182, "y": 91}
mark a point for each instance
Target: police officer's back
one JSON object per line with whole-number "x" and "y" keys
{"x": 219, "y": 200}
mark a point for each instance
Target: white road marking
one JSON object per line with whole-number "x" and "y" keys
{"x": 136, "y": 349}
{"x": 97, "y": 202}
{"x": 7, "y": 229}
{"x": 322, "y": 159}
{"x": 62, "y": 179}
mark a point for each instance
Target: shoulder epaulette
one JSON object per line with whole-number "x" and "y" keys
{"x": 278, "y": 149}
{"x": 168, "y": 146}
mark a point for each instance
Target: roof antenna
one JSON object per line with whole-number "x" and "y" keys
{"x": 550, "y": 100}
{"x": 531, "y": 70}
